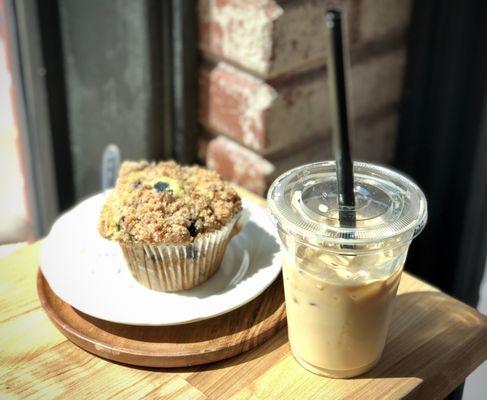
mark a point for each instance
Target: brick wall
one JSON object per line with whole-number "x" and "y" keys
{"x": 263, "y": 91}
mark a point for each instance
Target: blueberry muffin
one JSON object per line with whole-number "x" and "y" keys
{"x": 172, "y": 222}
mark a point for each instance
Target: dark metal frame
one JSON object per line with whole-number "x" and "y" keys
{"x": 40, "y": 79}
{"x": 184, "y": 58}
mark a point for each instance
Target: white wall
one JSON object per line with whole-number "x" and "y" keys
{"x": 476, "y": 383}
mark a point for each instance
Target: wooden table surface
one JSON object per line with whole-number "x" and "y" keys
{"x": 434, "y": 342}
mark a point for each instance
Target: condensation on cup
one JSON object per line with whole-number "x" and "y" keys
{"x": 340, "y": 281}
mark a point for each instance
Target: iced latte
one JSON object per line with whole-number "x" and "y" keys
{"x": 340, "y": 281}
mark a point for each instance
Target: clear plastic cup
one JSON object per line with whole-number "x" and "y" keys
{"x": 340, "y": 281}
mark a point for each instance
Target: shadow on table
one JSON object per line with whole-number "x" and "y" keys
{"x": 428, "y": 332}
{"x": 265, "y": 308}
{"x": 278, "y": 343}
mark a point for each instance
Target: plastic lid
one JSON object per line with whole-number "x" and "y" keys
{"x": 303, "y": 202}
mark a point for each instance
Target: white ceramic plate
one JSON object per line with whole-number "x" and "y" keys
{"x": 90, "y": 273}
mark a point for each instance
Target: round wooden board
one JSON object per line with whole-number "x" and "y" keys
{"x": 183, "y": 345}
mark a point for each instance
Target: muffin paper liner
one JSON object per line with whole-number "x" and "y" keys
{"x": 171, "y": 268}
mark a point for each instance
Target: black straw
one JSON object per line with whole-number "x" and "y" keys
{"x": 338, "y": 101}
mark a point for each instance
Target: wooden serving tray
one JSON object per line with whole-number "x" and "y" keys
{"x": 183, "y": 345}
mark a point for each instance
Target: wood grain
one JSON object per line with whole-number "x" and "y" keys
{"x": 434, "y": 343}
{"x": 170, "y": 346}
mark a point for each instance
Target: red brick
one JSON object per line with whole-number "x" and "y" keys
{"x": 272, "y": 38}
{"x": 374, "y": 139}
{"x": 266, "y": 37}
{"x": 269, "y": 119}
{"x": 234, "y": 102}
{"x": 239, "y": 164}
{"x": 376, "y": 82}
{"x": 379, "y": 18}
{"x": 238, "y": 30}
{"x": 318, "y": 149}
{"x": 255, "y": 113}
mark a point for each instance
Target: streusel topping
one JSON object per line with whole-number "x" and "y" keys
{"x": 166, "y": 203}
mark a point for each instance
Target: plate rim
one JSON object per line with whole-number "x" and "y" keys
{"x": 167, "y": 358}
{"x": 269, "y": 280}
